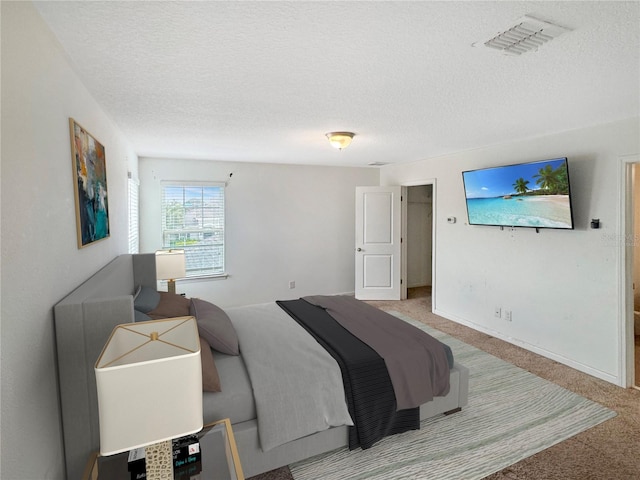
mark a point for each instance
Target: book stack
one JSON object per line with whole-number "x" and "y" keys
{"x": 187, "y": 460}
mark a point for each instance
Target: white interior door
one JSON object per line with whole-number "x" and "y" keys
{"x": 378, "y": 247}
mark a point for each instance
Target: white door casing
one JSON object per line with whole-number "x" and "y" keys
{"x": 378, "y": 243}
{"x": 626, "y": 366}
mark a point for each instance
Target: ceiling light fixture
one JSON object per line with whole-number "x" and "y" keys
{"x": 340, "y": 140}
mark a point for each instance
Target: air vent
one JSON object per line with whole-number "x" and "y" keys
{"x": 377, "y": 164}
{"x": 527, "y": 35}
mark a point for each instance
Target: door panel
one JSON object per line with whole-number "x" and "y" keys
{"x": 377, "y": 271}
{"x": 378, "y": 247}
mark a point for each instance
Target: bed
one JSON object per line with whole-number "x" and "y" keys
{"x": 85, "y": 318}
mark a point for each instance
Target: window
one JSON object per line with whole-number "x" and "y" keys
{"x": 133, "y": 187}
{"x": 193, "y": 220}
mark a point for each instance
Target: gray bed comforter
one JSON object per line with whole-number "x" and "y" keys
{"x": 297, "y": 385}
{"x": 417, "y": 363}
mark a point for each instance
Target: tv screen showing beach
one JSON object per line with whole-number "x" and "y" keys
{"x": 534, "y": 194}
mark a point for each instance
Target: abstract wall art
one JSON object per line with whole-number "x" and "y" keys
{"x": 90, "y": 186}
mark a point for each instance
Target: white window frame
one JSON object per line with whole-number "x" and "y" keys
{"x": 215, "y": 232}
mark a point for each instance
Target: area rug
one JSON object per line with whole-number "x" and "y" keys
{"x": 512, "y": 414}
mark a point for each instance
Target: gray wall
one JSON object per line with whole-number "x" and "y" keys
{"x": 565, "y": 306}
{"x": 40, "y": 259}
{"x": 283, "y": 223}
{"x": 562, "y": 287}
{"x": 41, "y": 262}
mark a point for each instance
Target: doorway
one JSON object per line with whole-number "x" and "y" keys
{"x": 418, "y": 239}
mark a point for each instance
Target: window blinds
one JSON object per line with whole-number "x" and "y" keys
{"x": 133, "y": 187}
{"x": 193, "y": 220}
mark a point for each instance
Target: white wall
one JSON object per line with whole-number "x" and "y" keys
{"x": 283, "y": 223}
{"x": 41, "y": 262}
{"x": 561, "y": 286}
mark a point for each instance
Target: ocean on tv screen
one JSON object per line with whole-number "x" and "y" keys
{"x": 533, "y": 194}
{"x": 550, "y": 211}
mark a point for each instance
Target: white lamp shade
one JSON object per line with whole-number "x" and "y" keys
{"x": 149, "y": 390}
{"x": 170, "y": 264}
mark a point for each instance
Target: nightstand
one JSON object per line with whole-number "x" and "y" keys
{"x": 220, "y": 459}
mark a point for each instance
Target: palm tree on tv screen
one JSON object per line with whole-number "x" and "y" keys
{"x": 562, "y": 180}
{"x": 520, "y": 185}
{"x": 545, "y": 177}
{"x": 553, "y": 182}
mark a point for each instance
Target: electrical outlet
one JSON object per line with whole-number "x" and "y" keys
{"x": 498, "y": 312}
{"x": 507, "y": 315}
{"x": 292, "y": 285}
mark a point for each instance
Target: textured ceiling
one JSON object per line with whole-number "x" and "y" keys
{"x": 264, "y": 81}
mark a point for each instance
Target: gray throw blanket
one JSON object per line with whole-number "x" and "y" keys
{"x": 296, "y": 384}
{"x": 417, "y": 362}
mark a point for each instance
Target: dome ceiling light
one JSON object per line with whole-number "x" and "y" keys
{"x": 340, "y": 140}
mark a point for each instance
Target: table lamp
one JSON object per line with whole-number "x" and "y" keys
{"x": 170, "y": 264}
{"x": 149, "y": 385}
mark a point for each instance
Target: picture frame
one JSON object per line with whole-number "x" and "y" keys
{"x": 90, "y": 186}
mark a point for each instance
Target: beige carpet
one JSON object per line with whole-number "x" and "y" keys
{"x": 610, "y": 451}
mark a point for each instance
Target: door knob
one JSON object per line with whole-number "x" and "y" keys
{"x": 359, "y": 249}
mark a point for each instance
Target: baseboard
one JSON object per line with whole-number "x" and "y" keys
{"x": 616, "y": 380}
{"x": 349, "y": 294}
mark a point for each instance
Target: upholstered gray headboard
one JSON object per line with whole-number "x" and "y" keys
{"x": 84, "y": 319}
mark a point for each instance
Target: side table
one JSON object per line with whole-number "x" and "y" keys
{"x": 220, "y": 458}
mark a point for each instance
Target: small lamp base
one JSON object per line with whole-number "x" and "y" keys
{"x": 159, "y": 461}
{"x": 171, "y": 286}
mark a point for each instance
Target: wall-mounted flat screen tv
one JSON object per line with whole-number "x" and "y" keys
{"x": 533, "y": 194}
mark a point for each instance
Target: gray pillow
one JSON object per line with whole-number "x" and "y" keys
{"x": 215, "y": 326}
{"x": 146, "y": 300}
{"x": 138, "y": 316}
